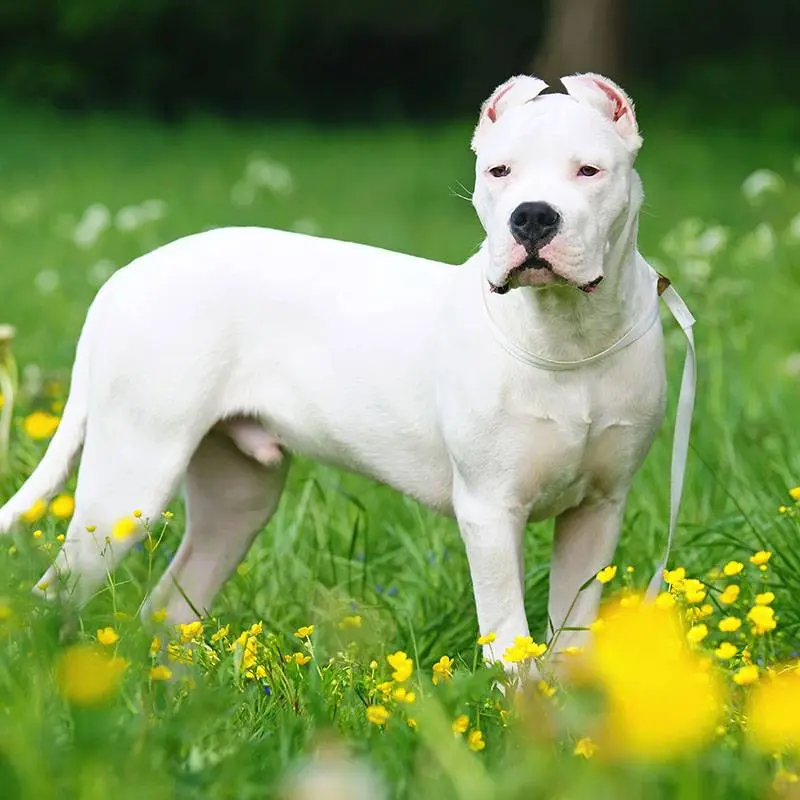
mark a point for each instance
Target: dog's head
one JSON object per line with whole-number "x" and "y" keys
{"x": 553, "y": 179}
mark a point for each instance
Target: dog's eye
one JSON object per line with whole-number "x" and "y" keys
{"x": 587, "y": 170}
{"x": 500, "y": 171}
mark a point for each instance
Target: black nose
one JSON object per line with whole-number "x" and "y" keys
{"x": 534, "y": 224}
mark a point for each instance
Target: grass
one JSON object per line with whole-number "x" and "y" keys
{"x": 340, "y": 545}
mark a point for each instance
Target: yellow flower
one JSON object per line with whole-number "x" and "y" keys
{"x": 40, "y": 425}
{"x": 664, "y": 602}
{"x": 261, "y": 673}
{"x": 730, "y": 624}
{"x": 179, "y": 653}
{"x": 606, "y": 574}
{"x": 161, "y": 672}
{"x": 475, "y": 741}
{"x": 572, "y": 651}
{"x": 221, "y": 633}
{"x": 351, "y": 622}
{"x": 730, "y": 594}
{"x": 523, "y": 649}
{"x": 746, "y": 675}
{"x": 585, "y": 747}
{"x": 402, "y": 695}
{"x": 301, "y": 659}
{"x": 762, "y": 619}
{"x": 693, "y": 590}
{"x": 35, "y": 512}
{"x": 794, "y": 493}
{"x": 545, "y": 689}
{"x": 675, "y": 577}
{"x": 304, "y": 632}
{"x": 191, "y": 631}
{"x": 733, "y": 568}
{"x": 764, "y": 599}
{"x": 373, "y": 665}
{"x": 123, "y": 528}
{"x": 412, "y": 723}
{"x": 155, "y": 646}
{"x": 86, "y": 676}
{"x": 725, "y": 651}
{"x": 159, "y": 615}
{"x": 62, "y": 506}
{"x": 442, "y": 670}
{"x": 661, "y": 698}
{"x": 697, "y": 634}
{"x": 60, "y": 537}
{"x": 487, "y": 639}
{"x": 402, "y": 665}
{"x": 107, "y": 636}
{"x": 37, "y": 534}
{"x": 377, "y": 715}
{"x": 460, "y": 724}
{"x": 761, "y": 557}
{"x": 258, "y": 627}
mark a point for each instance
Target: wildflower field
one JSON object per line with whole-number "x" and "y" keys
{"x": 342, "y": 659}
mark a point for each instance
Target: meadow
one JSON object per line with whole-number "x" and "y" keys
{"x": 390, "y": 676}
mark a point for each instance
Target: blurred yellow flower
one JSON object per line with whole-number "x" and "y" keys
{"x": 123, "y": 528}
{"x": 301, "y": 659}
{"x": 585, "y": 747}
{"x": 730, "y": 624}
{"x": 665, "y": 601}
{"x": 377, "y": 715}
{"x": 794, "y": 493}
{"x": 694, "y": 591}
{"x": 353, "y": 621}
{"x": 725, "y": 651}
{"x": 730, "y": 594}
{"x": 773, "y": 713}
{"x": 155, "y": 646}
{"x": 37, "y": 534}
{"x": 761, "y": 557}
{"x": 62, "y": 507}
{"x": 733, "y": 568}
{"x": 402, "y": 695}
{"x": 190, "y": 631}
{"x": 762, "y": 619}
{"x": 159, "y": 615}
{"x": 697, "y": 634}
{"x": 764, "y": 599}
{"x": 523, "y": 649}
{"x": 161, "y": 672}
{"x": 402, "y": 665}
{"x": 606, "y": 574}
{"x": 442, "y": 670}
{"x": 107, "y": 636}
{"x": 304, "y": 631}
{"x": 486, "y": 639}
{"x": 221, "y": 633}
{"x": 40, "y": 425}
{"x": 475, "y": 741}
{"x": 545, "y": 688}
{"x": 35, "y": 512}
{"x": 744, "y": 676}
{"x": 385, "y": 688}
{"x": 86, "y": 676}
{"x": 460, "y": 724}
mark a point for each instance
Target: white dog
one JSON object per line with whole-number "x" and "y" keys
{"x": 213, "y": 358}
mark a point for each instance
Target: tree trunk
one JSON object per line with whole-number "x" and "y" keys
{"x": 581, "y": 36}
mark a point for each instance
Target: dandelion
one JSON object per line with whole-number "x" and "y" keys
{"x": 730, "y": 594}
{"x": 402, "y": 665}
{"x": 123, "y": 528}
{"x": 191, "y": 631}
{"x": 733, "y": 568}
{"x": 697, "y": 634}
{"x": 764, "y": 599}
{"x": 86, "y": 676}
{"x": 486, "y": 639}
{"x": 761, "y": 557}
{"x": 585, "y": 747}
{"x": 523, "y": 649}
{"x": 725, "y": 651}
{"x": 442, "y": 670}
{"x": 460, "y": 724}
{"x": 40, "y": 425}
{"x": 62, "y": 507}
{"x": 107, "y": 636}
{"x": 730, "y": 624}
{"x": 377, "y": 715}
{"x": 35, "y": 512}
{"x": 606, "y": 574}
{"x": 744, "y": 676}
{"x": 475, "y": 741}
{"x": 304, "y": 631}
{"x": 160, "y": 672}
{"x": 762, "y": 619}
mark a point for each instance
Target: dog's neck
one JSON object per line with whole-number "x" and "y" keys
{"x": 560, "y": 322}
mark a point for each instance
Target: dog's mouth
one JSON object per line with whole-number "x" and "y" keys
{"x": 535, "y": 262}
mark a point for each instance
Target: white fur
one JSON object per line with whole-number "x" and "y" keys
{"x": 381, "y": 363}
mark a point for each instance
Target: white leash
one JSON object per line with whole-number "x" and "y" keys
{"x": 683, "y": 414}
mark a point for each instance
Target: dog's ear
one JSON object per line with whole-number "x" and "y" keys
{"x": 514, "y": 92}
{"x": 610, "y": 100}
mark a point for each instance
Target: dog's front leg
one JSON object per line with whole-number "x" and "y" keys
{"x": 492, "y": 534}
{"x": 584, "y": 543}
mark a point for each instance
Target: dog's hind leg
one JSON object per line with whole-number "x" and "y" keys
{"x": 229, "y": 498}
{"x": 124, "y": 468}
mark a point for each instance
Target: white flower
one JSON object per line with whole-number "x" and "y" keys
{"x": 757, "y": 245}
{"x": 95, "y": 220}
{"x": 264, "y": 172}
{"x": 242, "y": 194}
{"x": 100, "y": 272}
{"x": 47, "y": 281}
{"x": 760, "y": 183}
{"x": 128, "y": 219}
{"x": 794, "y": 228}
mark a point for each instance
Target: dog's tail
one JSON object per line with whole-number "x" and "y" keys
{"x": 52, "y": 471}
